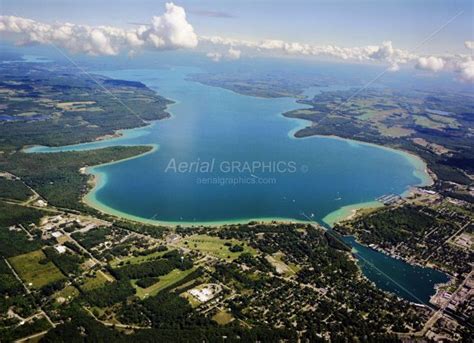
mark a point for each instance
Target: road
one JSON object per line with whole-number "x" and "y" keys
{"x": 41, "y": 311}
{"x": 437, "y": 315}
{"x": 36, "y": 335}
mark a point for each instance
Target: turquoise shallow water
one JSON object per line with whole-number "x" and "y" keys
{"x": 225, "y": 139}
{"x": 211, "y": 123}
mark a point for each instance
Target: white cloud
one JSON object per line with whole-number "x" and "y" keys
{"x": 461, "y": 65}
{"x": 430, "y": 63}
{"x": 465, "y": 69}
{"x": 168, "y": 31}
{"x": 384, "y": 53}
{"x": 469, "y": 44}
{"x": 231, "y": 54}
{"x": 380, "y": 53}
{"x": 171, "y": 30}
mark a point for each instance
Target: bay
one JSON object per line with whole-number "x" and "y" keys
{"x": 259, "y": 170}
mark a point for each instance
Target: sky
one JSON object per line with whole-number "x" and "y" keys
{"x": 427, "y": 33}
{"x": 347, "y": 23}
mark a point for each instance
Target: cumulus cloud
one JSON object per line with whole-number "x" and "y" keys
{"x": 461, "y": 65}
{"x": 168, "y": 31}
{"x": 231, "y": 54}
{"x": 171, "y": 30}
{"x": 469, "y": 44}
{"x": 465, "y": 69}
{"x": 384, "y": 52}
{"x": 430, "y": 63}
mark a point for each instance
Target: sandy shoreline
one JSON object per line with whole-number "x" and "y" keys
{"x": 427, "y": 177}
{"x": 348, "y": 212}
{"x": 342, "y": 213}
{"x": 99, "y": 179}
{"x": 116, "y": 134}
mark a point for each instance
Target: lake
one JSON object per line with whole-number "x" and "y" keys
{"x": 225, "y": 157}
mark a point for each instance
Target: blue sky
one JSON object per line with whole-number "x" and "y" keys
{"x": 343, "y": 23}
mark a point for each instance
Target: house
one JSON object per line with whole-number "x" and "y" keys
{"x": 61, "y": 249}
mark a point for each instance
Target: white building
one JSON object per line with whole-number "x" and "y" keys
{"x": 60, "y": 249}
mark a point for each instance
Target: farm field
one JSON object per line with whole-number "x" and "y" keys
{"x": 214, "y": 246}
{"x": 33, "y": 272}
{"x": 165, "y": 281}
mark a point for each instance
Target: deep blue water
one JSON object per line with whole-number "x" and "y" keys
{"x": 211, "y": 123}
{"x": 308, "y": 178}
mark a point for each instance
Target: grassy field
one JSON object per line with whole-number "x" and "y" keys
{"x": 138, "y": 259}
{"x": 165, "y": 281}
{"x": 214, "y": 246}
{"x": 191, "y": 299}
{"x": 426, "y": 122}
{"x": 291, "y": 268}
{"x": 222, "y": 317}
{"x": 67, "y": 293}
{"x": 34, "y": 273}
{"x": 92, "y": 282}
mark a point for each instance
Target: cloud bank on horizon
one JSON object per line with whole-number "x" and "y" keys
{"x": 172, "y": 31}
{"x": 168, "y": 31}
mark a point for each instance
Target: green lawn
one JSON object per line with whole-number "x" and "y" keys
{"x": 138, "y": 259}
{"x": 165, "y": 281}
{"x": 34, "y": 273}
{"x": 93, "y": 282}
{"x": 288, "y": 269}
{"x": 214, "y": 246}
{"x": 67, "y": 293}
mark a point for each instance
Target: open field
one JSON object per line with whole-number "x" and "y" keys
{"x": 34, "y": 273}
{"x": 67, "y": 293}
{"x": 282, "y": 267}
{"x": 94, "y": 282}
{"x": 214, "y": 246}
{"x": 223, "y": 317}
{"x": 138, "y": 259}
{"x": 165, "y": 281}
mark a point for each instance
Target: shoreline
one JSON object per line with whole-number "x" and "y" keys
{"x": 348, "y": 212}
{"x": 117, "y": 135}
{"x": 428, "y": 177}
{"x": 99, "y": 179}
{"x": 342, "y": 213}
{"x": 421, "y": 171}
{"x": 90, "y": 200}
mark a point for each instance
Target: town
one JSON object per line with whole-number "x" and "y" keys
{"x": 287, "y": 277}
